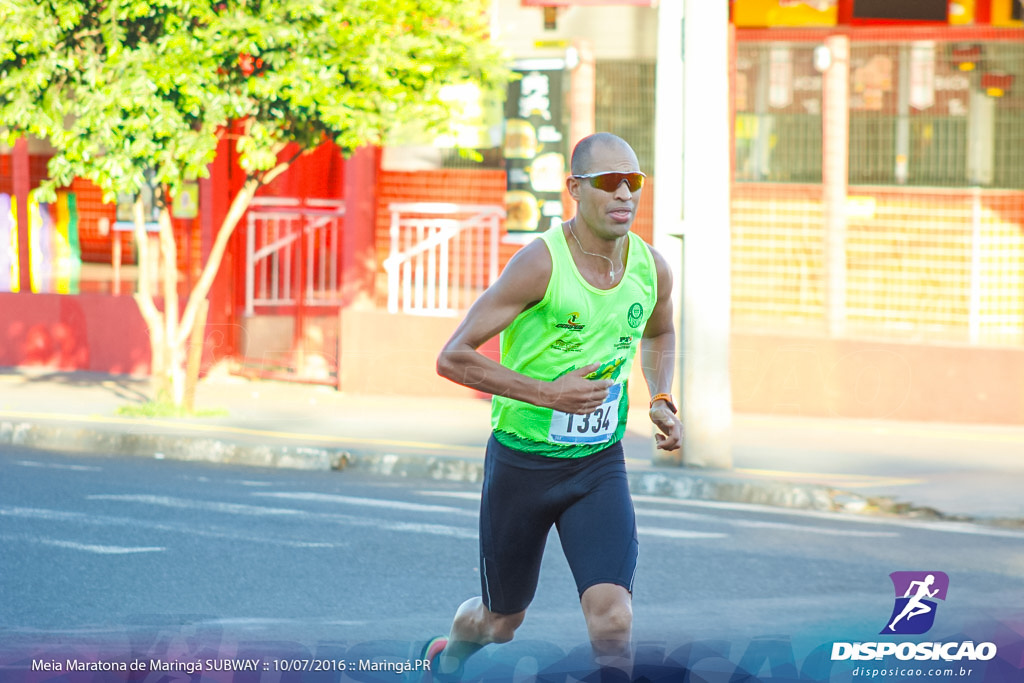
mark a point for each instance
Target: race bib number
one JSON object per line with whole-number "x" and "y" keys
{"x": 596, "y": 427}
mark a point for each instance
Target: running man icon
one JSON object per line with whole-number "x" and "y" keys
{"x": 914, "y": 606}
{"x": 916, "y": 589}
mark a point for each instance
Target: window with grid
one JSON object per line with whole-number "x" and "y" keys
{"x": 933, "y": 114}
{"x": 778, "y": 113}
{"x": 920, "y": 114}
{"x": 625, "y": 104}
{"x": 933, "y": 232}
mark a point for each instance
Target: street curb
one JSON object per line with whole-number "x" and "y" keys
{"x": 679, "y": 484}
{"x": 169, "y": 446}
{"x": 711, "y": 487}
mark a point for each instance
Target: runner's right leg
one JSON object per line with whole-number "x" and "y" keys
{"x": 513, "y": 529}
{"x": 474, "y": 627}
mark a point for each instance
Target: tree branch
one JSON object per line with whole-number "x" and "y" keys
{"x": 143, "y": 296}
{"x": 270, "y": 175}
{"x": 202, "y": 287}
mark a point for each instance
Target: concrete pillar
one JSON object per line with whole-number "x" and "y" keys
{"x": 668, "y": 132}
{"x": 668, "y": 179}
{"x": 359, "y": 267}
{"x": 835, "y": 178}
{"x": 706, "y": 286}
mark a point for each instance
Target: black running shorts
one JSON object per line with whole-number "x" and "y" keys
{"x": 587, "y": 499}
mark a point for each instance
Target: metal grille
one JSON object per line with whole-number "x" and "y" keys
{"x": 909, "y": 265}
{"x": 442, "y": 256}
{"x": 293, "y": 253}
{"x": 920, "y": 264}
{"x": 934, "y": 212}
{"x": 930, "y": 113}
{"x": 918, "y": 114}
{"x": 625, "y": 105}
{"x": 1008, "y": 155}
{"x": 778, "y": 114}
{"x": 777, "y": 255}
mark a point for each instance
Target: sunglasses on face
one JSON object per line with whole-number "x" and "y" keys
{"x": 610, "y": 181}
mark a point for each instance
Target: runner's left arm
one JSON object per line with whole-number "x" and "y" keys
{"x": 658, "y": 358}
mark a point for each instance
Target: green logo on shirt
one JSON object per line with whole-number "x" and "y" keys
{"x": 635, "y": 315}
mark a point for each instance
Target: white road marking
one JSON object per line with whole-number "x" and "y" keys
{"x": 49, "y": 515}
{"x": 838, "y": 517}
{"x": 367, "y": 502}
{"x": 101, "y": 549}
{"x": 56, "y": 466}
{"x": 755, "y": 524}
{"x": 662, "y": 532}
{"x": 659, "y": 532}
{"x": 269, "y": 622}
{"x": 435, "y": 529}
{"x": 291, "y": 513}
{"x": 186, "y": 529}
{"x": 458, "y": 495}
{"x": 207, "y": 505}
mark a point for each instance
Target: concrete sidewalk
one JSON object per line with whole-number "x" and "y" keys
{"x": 931, "y": 471}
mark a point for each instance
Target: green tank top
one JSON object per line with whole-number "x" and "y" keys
{"x": 574, "y": 325}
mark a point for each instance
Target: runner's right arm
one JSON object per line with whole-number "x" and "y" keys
{"x": 521, "y": 285}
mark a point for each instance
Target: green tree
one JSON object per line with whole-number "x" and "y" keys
{"x": 137, "y": 91}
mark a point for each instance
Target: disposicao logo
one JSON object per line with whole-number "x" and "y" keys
{"x": 916, "y": 593}
{"x": 913, "y": 614}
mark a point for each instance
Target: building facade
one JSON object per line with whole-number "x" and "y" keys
{"x": 877, "y": 215}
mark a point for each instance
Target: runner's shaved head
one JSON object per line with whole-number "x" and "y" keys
{"x": 583, "y": 153}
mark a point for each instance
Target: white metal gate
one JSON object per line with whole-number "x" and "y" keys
{"x": 293, "y": 289}
{"x": 441, "y": 255}
{"x": 293, "y": 253}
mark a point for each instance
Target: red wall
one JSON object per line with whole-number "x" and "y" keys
{"x": 92, "y": 332}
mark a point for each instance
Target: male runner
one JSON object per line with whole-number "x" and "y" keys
{"x": 571, "y": 309}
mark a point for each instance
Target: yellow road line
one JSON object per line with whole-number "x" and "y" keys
{"x": 848, "y": 480}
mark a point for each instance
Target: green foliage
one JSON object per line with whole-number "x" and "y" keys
{"x": 122, "y": 88}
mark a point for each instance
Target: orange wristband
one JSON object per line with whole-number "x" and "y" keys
{"x": 667, "y": 398}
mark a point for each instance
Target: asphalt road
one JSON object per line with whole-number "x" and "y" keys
{"x": 157, "y": 556}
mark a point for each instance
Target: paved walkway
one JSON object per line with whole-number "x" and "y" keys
{"x": 951, "y": 471}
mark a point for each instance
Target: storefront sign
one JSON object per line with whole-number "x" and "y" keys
{"x": 1008, "y": 13}
{"x": 887, "y": 10}
{"x": 767, "y": 13}
{"x": 186, "y": 202}
{"x": 536, "y": 136}
{"x": 962, "y": 12}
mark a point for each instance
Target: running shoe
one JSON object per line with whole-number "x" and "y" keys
{"x": 431, "y": 650}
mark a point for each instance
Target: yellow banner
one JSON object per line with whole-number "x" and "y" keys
{"x": 1005, "y": 14}
{"x": 962, "y": 12}
{"x": 765, "y": 13}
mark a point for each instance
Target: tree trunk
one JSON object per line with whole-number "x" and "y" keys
{"x": 174, "y": 369}
{"x": 147, "y": 306}
{"x": 170, "y": 329}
